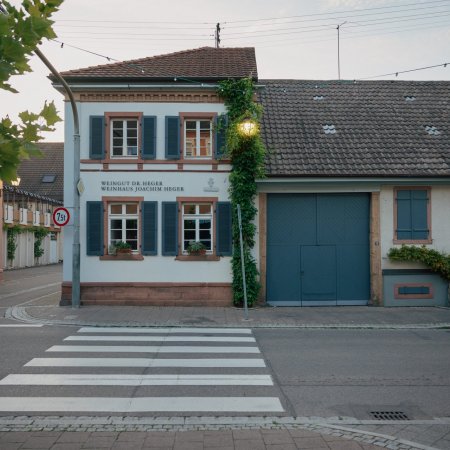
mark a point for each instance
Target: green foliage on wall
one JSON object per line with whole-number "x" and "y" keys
{"x": 438, "y": 262}
{"x": 39, "y": 235}
{"x": 247, "y": 157}
{"x": 11, "y": 240}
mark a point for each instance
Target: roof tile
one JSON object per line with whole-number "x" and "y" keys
{"x": 204, "y": 63}
{"x": 378, "y": 132}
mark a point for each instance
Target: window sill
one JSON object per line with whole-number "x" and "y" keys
{"x": 410, "y": 241}
{"x": 197, "y": 258}
{"x": 123, "y": 257}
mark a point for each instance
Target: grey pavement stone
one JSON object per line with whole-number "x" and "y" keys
{"x": 249, "y": 444}
{"x": 310, "y": 442}
{"x": 67, "y": 446}
{"x": 10, "y": 445}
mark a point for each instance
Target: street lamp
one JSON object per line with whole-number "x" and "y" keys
{"x": 247, "y": 127}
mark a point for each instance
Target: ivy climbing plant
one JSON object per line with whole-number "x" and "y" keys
{"x": 438, "y": 262}
{"x": 247, "y": 158}
{"x": 39, "y": 235}
{"x": 11, "y": 240}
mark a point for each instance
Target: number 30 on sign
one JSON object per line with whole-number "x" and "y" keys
{"x": 61, "y": 216}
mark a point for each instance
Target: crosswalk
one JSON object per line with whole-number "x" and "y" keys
{"x": 145, "y": 370}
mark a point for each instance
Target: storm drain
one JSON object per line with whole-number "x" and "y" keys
{"x": 389, "y": 415}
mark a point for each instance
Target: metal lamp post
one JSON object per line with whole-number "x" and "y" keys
{"x": 76, "y": 179}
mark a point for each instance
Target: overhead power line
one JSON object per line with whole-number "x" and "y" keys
{"x": 336, "y": 12}
{"x": 404, "y": 71}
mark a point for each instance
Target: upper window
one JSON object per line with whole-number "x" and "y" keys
{"x": 197, "y": 138}
{"x": 123, "y": 224}
{"x": 124, "y": 138}
{"x": 413, "y": 215}
{"x": 197, "y": 225}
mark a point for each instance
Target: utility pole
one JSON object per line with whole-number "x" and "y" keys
{"x": 339, "y": 59}
{"x": 217, "y": 35}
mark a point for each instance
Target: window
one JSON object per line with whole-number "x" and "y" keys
{"x": 48, "y": 179}
{"x": 197, "y": 225}
{"x": 124, "y": 138}
{"x": 197, "y": 138}
{"x": 412, "y": 215}
{"x": 123, "y": 224}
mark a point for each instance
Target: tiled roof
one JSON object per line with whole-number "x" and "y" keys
{"x": 32, "y": 170}
{"x": 367, "y": 128}
{"x": 206, "y": 63}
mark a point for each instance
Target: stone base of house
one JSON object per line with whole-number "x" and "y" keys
{"x": 150, "y": 294}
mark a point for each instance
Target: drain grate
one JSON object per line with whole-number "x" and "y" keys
{"x": 389, "y": 415}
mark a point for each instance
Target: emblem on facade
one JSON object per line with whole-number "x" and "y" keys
{"x": 211, "y": 187}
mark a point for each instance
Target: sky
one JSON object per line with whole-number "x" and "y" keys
{"x": 294, "y": 39}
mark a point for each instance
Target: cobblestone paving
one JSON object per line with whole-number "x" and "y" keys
{"x": 246, "y": 433}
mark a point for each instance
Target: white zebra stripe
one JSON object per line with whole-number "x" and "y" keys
{"x": 141, "y": 404}
{"x": 136, "y": 380}
{"x": 175, "y": 330}
{"x": 144, "y": 362}
{"x": 160, "y": 338}
{"x": 149, "y": 349}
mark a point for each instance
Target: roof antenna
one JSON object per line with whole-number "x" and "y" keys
{"x": 217, "y": 35}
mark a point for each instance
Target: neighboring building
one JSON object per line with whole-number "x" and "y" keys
{"x": 29, "y": 203}
{"x": 352, "y": 169}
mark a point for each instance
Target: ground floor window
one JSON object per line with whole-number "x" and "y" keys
{"x": 123, "y": 219}
{"x": 197, "y": 222}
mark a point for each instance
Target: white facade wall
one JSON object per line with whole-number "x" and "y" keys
{"x": 440, "y": 220}
{"x": 192, "y": 181}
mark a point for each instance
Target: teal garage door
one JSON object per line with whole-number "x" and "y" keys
{"x": 318, "y": 249}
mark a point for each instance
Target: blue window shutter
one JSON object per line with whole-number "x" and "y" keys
{"x": 404, "y": 227}
{"x": 149, "y": 228}
{"x": 224, "y": 245}
{"x": 94, "y": 228}
{"x": 412, "y": 214}
{"x": 149, "y": 137}
{"x": 96, "y": 137}
{"x": 172, "y": 137}
{"x": 419, "y": 214}
{"x": 169, "y": 228}
{"x": 220, "y": 124}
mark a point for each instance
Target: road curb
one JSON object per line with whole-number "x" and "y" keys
{"x": 21, "y": 314}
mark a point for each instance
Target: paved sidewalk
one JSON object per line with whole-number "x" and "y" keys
{"x": 284, "y": 317}
{"x": 190, "y": 433}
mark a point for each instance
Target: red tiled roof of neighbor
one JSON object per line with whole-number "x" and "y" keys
{"x": 206, "y": 63}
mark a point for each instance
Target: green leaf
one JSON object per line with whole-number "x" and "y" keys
{"x": 50, "y": 114}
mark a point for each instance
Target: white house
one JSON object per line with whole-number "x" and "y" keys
{"x": 155, "y": 177}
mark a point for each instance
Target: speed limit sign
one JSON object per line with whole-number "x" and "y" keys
{"x": 61, "y": 216}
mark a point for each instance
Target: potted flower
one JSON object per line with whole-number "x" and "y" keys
{"x": 196, "y": 248}
{"x": 122, "y": 248}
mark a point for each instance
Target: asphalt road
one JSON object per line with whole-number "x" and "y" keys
{"x": 329, "y": 373}
{"x": 324, "y": 373}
